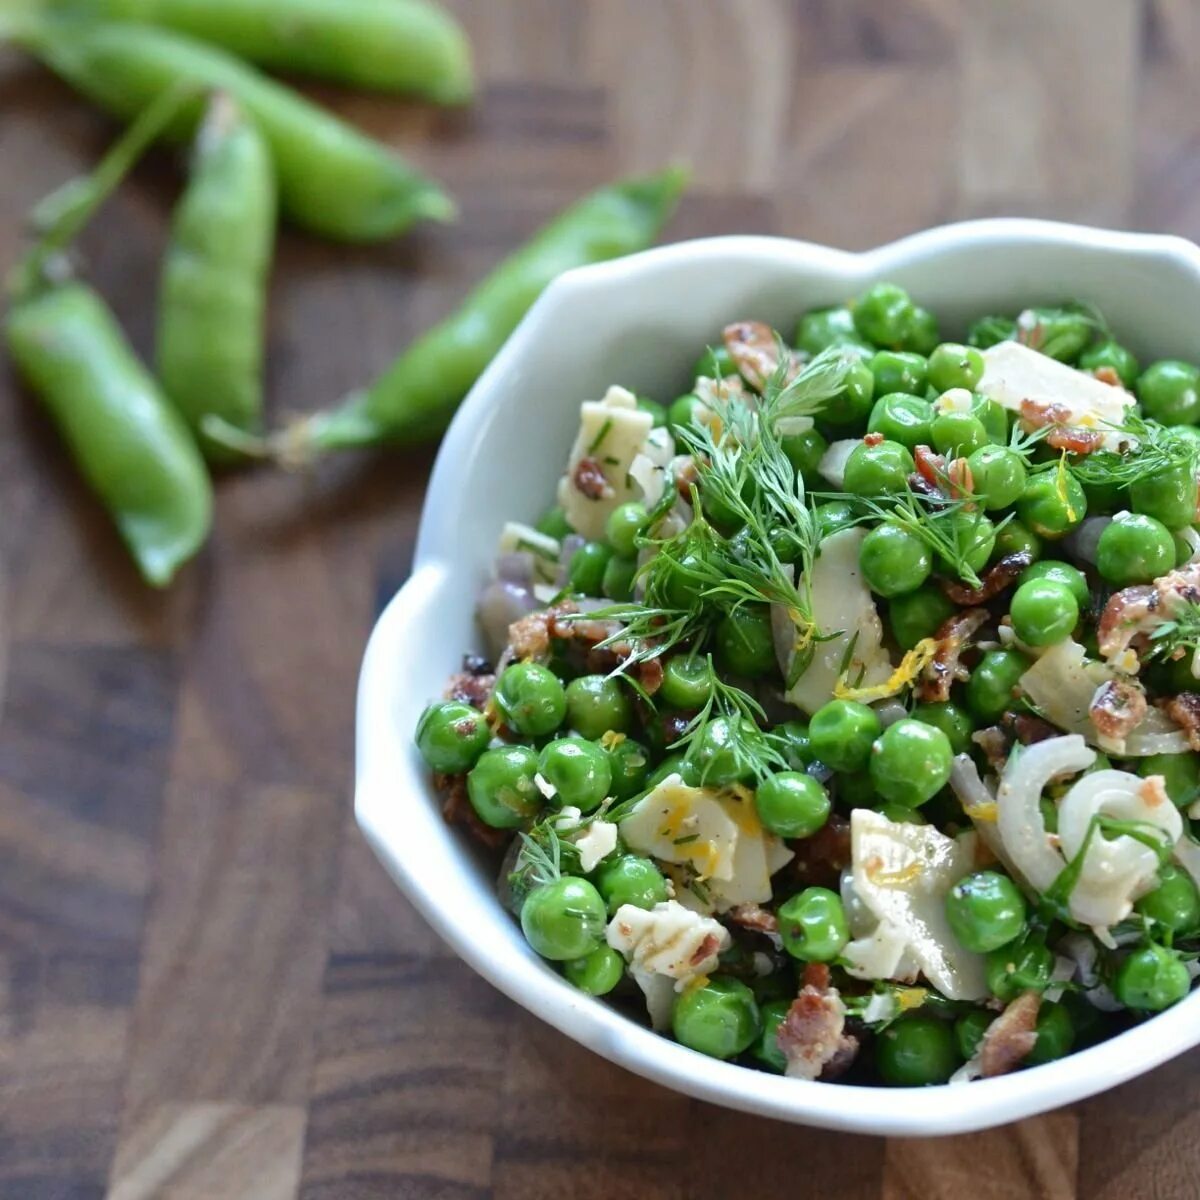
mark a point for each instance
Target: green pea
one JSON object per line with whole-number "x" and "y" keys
{"x": 1055, "y": 1035}
{"x": 878, "y": 470}
{"x": 986, "y": 911}
{"x": 813, "y": 925}
{"x": 624, "y": 524}
{"x": 596, "y": 973}
{"x": 792, "y": 741}
{"x": 1169, "y": 392}
{"x": 1044, "y": 612}
{"x": 922, "y": 336}
{"x": 857, "y": 790}
{"x": 630, "y": 879}
{"x": 766, "y": 1049}
{"x": 1180, "y": 772}
{"x": 530, "y": 699}
{"x": 1151, "y": 979}
{"x": 1104, "y": 499}
{"x": 715, "y": 363}
{"x": 578, "y": 770}
{"x": 451, "y": 736}
{"x": 916, "y": 1051}
{"x": 585, "y": 571}
{"x": 564, "y": 919}
{"x": 1059, "y": 333}
{"x": 848, "y": 410}
{"x": 596, "y": 704}
{"x": 953, "y": 721}
{"x": 822, "y": 327}
{"x": 834, "y": 515}
{"x": 685, "y": 412}
{"x": 971, "y": 533}
{"x": 893, "y": 560}
{"x": 658, "y": 412}
{"x": 1113, "y": 356}
{"x": 553, "y": 523}
{"x": 1175, "y": 903}
{"x": 792, "y": 804}
{"x": 993, "y": 417}
{"x": 687, "y": 682}
{"x": 785, "y": 544}
{"x": 501, "y": 787}
{"x": 883, "y": 314}
{"x": 1019, "y": 967}
{"x": 902, "y": 418}
{"x": 676, "y": 583}
{"x": 969, "y": 1030}
{"x": 619, "y": 577}
{"x": 804, "y": 452}
{"x": 673, "y": 764}
{"x": 1060, "y": 572}
{"x": 899, "y": 371}
{"x": 989, "y": 331}
{"x": 841, "y": 734}
{"x": 719, "y": 1019}
{"x": 717, "y": 754}
{"x": 1052, "y": 503}
{"x": 1169, "y": 496}
{"x": 998, "y": 476}
{"x": 959, "y": 435}
{"x": 745, "y": 644}
{"x": 629, "y": 762}
{"x": 1183, "y": 548}
{"x": 990, "y": 689}
{"x": 1015, "y": 538}
{"x": 910, "y": 762}
{"x": 918, "y": 615}
{"x": 1134, "y": 549}
{"x": 952, "y": 365}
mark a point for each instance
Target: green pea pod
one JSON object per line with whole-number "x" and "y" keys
{"x": 132, "y": 447}
{"x": 333, "y": 180}
{"x": 213, "y": 297}
{"x": 417, "y": 396}
{"x": 394, "y": 46}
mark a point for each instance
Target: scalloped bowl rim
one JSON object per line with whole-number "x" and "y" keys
{"x": 528, "y": 981}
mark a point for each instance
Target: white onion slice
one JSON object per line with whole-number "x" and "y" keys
{"x": 832, "y": 466}
{"x": 1082, "y": 541}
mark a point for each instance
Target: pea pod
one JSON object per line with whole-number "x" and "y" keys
{"x": 333, "y": 180}
{"x": 418, "y": 394}
{"x": 213, "y": 296}
{"x": 130, "y": 444}
{"x": 396, "y": 46}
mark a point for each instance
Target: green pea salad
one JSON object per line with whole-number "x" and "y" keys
{"x": 842, "y": 716}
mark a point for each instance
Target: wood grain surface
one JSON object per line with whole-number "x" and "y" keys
{"x": 208, "y": 987}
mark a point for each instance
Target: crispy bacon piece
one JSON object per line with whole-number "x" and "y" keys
{"x": 1184, "y": 710}
{"x": 753, "y": 347}
{"x": 821, "y": 858}
{"x": 754, "y": 917}
{"x": 650, "y": 675}
{"x": 1108, "y": 375}
{"x": 812, "y": 1035}
{"x": 995, "y": 744}
{"x": 1118, "y": 707}
{"x": 1136, "y": 611}
{"x": 873, "y": 439}
{"x": 709, "y": 945}
{"x": 589, "y": 478}
{"x": 953, "y": 637}
{"x": 931, "y": 467}
{"x": 1029, "y": 729}
{"x": 457, "y": 810}
{"x": 474, "y": 683}
{"x": 1010, "y": 1037}
{"x": 1074, "y": 440}
{"x": 1002, "y": 575}
{"x": 529, "y": 638}
{"x": 1038, "y": 414}
{"x": 960, "y": 478}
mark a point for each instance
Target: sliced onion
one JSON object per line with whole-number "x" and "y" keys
{"x": 515, "y": 567}
{"x": 890, "y": 711}
{"x": 980, "y": 805}
{"x": 832, "y": 466}
{"x": 1187, "y": 855}
{"x": 500, "y": 604}
{"x": 1082, "y": 541}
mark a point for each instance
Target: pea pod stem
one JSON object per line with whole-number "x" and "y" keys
{"x": 333, "y": 180}
{"x": 416, "y": 397}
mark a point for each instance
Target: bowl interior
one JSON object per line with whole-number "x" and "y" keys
{"x": 640, "y": 322}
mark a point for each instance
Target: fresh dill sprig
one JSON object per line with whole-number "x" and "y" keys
{"x": 1159, "y": 449}
{"x": 822, "y": 380}
{"x": 1178, "y": 636}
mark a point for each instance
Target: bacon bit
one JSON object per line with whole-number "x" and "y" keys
{"x": 474, "y": 683}
{"x": 1184, "y": 710}
{"x": 1038, "y": 414}
{"x": 873, "y": 439}
{"x": 1117, "y": 708}
{"x": 753, "y": 347}
{"x": 709, "y": 945}
{"x": 811, "y": 1036}
{"x": 755, "y": 918}
{"x": 952, "y": 638}
{"x": 1129, "y": 613}
{"x": 1075, "y": 441}
{"x": 1153, "y": 791}
{"x": 1108, "y": 375}
{"x": 994, "y": 743}
{"x": 650, "y": 675}
{"x": 1028, "y": 728}
{"x": 816, "y": 975}
{"x": 687, "y": 476}
{"x": 529, "y": 638}
{"x": 962, "y": 482}
{"x": 1010, "y": 1037}
{"x": 457, "y": 810}
{"x": 931, "y": 467}
{"x": 821, "y": 858}
{"x": 1002, "y": 575}
{"x": 590, "y": 480}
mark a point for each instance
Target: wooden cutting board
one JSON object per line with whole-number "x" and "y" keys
{"x": 208, "y": 988}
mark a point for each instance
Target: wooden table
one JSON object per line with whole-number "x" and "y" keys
{"x": 208, "y": 988}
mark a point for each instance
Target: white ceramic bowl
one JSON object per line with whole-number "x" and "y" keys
{"x": 640, "y": 322}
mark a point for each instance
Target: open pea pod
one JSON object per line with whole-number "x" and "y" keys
{"x": 128, "y": 442}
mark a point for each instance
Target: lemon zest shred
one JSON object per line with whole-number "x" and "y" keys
{"x": 611, "y": 739}
{"x": 988, "y": 812}
{"x": 912, "y": 997}
{"x": 911, "y": 665}
{"x": 1060, "y": 487}
{"x": 894, "y": 878}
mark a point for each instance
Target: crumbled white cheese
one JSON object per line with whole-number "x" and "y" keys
{"x": 832, "y": 467}
{"x": 597, "y": 841}
{"x": 612, "y": 433}
{"x": 844, "y": 610}
{"x": 902, "y": 873}
{"x": 956, "y": 400}
{"x": 666, "y": 947}
{"x": 1014, "y": 373}
{"x": 516, "y": 538}
{"x": 548, "y": 790}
